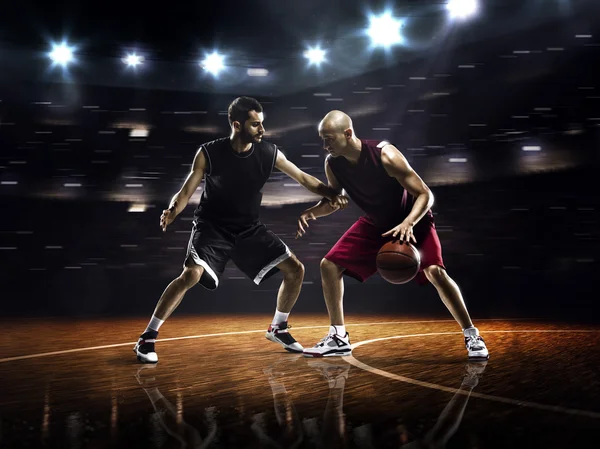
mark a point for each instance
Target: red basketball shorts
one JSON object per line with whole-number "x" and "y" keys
{"x": 357, "y": 249}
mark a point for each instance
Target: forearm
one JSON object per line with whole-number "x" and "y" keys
{"x": 316, "y": 186}
{"x": 321, "y": 209}
{"x": 179, "y": 202}
{"x": 422, "y": 204}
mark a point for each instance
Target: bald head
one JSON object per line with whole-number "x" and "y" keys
{"x": 338, "y": 134}
{"x": 335, "y": 122}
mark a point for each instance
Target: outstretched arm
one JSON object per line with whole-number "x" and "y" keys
{"x": 323, "y": 207}
{"x": 304, "y": 179}
{"x": 181, "y": 198}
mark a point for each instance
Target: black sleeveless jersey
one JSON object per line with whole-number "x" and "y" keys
{"x": 234, "y": 182}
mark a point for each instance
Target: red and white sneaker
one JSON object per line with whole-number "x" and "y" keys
{"x": 330, "y": 346}
{"x": 144, "y": 348}
{"x": 278, "y": 333}
{"x": 475, "y": 345}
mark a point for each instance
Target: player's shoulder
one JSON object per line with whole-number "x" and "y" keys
{"x": 215, "y": 143}
{"x": 373, "y": 143}
{"x": 266, "y": 145}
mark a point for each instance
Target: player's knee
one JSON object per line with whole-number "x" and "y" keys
{"x": 328, "y": 267}
{"x": 191, "y": 275}
{"x": 435, "y": 273}
{"x": 296, "y": 268}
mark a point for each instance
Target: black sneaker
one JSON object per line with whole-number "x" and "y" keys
{"x": 144, "y": 348}
{"x": 279, "y": 333}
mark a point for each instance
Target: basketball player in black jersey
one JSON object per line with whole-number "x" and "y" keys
{"x": 226, "y": 223}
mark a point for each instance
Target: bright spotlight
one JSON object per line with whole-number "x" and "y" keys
{"x": 61, "y": 54}
{"x": 315, "y": 56}
{"x": 213, "y": 63}
{"x": 462, "y": 8}
{"x": 133, "y": 60}
{"x": 384, "y": 30}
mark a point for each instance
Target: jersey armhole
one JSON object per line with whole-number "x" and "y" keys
{"x": 209, "y": 163}
{"x": 274, "y": 159}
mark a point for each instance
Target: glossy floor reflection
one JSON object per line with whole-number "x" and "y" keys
{"x": 412, "y": 387}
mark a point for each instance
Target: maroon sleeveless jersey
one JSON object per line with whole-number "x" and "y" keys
{"x": 383, "y": 199}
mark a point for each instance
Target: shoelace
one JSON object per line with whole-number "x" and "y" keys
{"x": 474, "y": 341}
{"x": 282, "y": 330}
{"x": 323, "y": 340}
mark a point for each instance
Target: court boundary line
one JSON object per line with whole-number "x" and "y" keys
{"x": 355, "y": 362}
{"x": 223, "y": 334}
{"x": 553, "y": 408}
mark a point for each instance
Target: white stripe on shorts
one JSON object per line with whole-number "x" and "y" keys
{"x": 191, "y": 251}
{"x": 272, "y": 264}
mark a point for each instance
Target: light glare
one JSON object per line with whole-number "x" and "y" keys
{"x": 257, "y": 72}
{"x": 384, "y": 30}
{"x": 315, "y": 55}
{"x": 139, "y": 132}
{"x": 462, "y": 8}
{"x": 133, "y": 60}
{"x": 213, "y": 63}
{"x": 61, "y": 54}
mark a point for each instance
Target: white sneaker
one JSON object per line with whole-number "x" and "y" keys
{"x": 330, "y": 346}
{"x": 475, "y": 345}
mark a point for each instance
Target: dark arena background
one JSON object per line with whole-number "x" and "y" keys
{"x": 496, "y": 104}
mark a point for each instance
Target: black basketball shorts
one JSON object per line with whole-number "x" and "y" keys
{"x": 256, "y": 251}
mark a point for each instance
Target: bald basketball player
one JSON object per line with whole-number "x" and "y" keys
{"x": 226, "y": 223}
{"x": 397, "y": 204}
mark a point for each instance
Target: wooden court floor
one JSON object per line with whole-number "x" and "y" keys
{"x": 219, "y": 383}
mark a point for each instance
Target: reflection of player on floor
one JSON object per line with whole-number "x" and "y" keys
{"x": 382, "y": 183}
{"x": 334, "y": 427}
{"x": 288, "y": 434}
{"x": 170, "y": 420}
{"x": 294, "y": 431}
{"x": 445, "y": 427}
{"x": 226, "y": 223}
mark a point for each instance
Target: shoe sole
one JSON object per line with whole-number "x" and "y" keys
{"x": 479, "y": 358}
{"x": 294, "y": 351}
{"x": 329, "y": 354}
{"x": 140, "y": 358}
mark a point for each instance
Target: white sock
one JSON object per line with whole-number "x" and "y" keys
{"x": 339, "y": 329}
{"x": 154, "y": 324}
{"x": 280, "y": 317}
{"x": 471, "y": 330}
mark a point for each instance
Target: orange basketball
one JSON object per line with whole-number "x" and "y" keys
{"x": 398, "y": 263}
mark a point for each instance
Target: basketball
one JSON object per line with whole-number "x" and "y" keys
{"x": 398, "y": 263}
